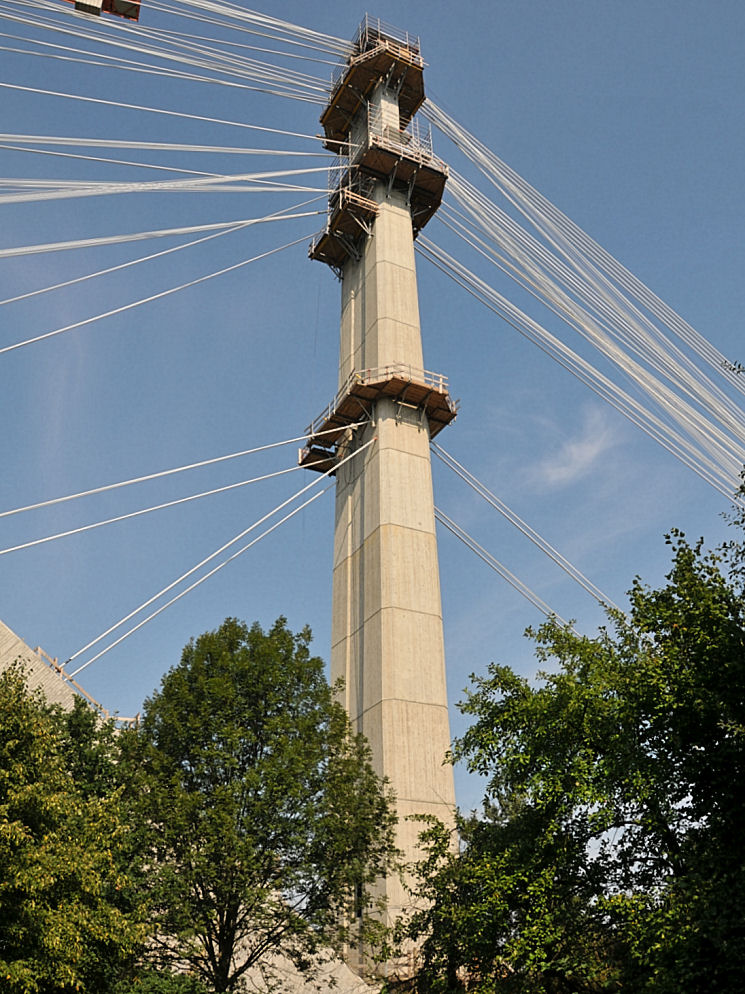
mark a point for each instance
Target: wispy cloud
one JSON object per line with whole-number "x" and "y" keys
{"x": 576, "y": 456}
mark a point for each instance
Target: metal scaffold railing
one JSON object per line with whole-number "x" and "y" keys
{"x": 375, "y": 34}
{"x": 372, "y": 30}
{"x": 414, "y": 141}
{"x": 435, "y": 383}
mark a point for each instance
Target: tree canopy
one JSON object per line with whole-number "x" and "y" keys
{"x": 240, "y": 825}
{"x": 71, "y": 918}
{"x": 608, "y": 855}
{"x": 265, "y": 818}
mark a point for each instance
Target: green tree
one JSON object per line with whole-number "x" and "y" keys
{"x": 90, "y": 748}
{"x": 609, "y": 854}
{"x": 70, "y": 921}
{"x": 266, "y": 818}
{"x": 161, "y": 982}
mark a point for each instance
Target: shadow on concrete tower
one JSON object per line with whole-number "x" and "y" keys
{"x": 387, "y": 641}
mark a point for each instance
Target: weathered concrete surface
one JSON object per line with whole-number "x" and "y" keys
{"x": 387, "y": 640}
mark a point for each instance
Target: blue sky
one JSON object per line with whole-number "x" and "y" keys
{"x": 629, "y": 117}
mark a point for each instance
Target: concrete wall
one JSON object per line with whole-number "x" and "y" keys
{"x": 39, "y": 674}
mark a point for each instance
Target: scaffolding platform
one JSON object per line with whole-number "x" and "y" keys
{"x": 417, "y": 389}
{"x": 380, "y": 51}
{"x": 397, "y": 158}
{"x": 351, "y": 216}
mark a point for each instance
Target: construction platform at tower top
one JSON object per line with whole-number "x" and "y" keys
{"x": 372, "y": 148}
{"x": 378, "y": 50}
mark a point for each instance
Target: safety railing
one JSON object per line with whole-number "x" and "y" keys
{"x": 435, "y": 382}
{"x": 372, "y": 30}
{"x": 414, "y": 137}
{"x": 372, "y": 33}
{"x": 340, "y": 174}
{"x": 53, "y": 663}
{"x": 339, "y": 165}
{"x": 413, "y": 142}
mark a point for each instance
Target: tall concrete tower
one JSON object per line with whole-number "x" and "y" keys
{"x": 387, "y": 640}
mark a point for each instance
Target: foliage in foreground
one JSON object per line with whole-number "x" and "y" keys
{"x": 146, "y": 981}
{"x": 265, "y": 818}
{"x": 71, "y": 918}
{"x": 609, "y": 853}
{"x": 241, "y": 821}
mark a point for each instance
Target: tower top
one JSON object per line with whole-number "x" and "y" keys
{"x": 369, "y": 123}
{"x": 379, "y": 51}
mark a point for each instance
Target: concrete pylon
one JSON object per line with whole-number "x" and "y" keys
{"x": 387, "y": 639}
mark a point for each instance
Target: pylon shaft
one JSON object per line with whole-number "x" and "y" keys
{"x": 387, "y": 638}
